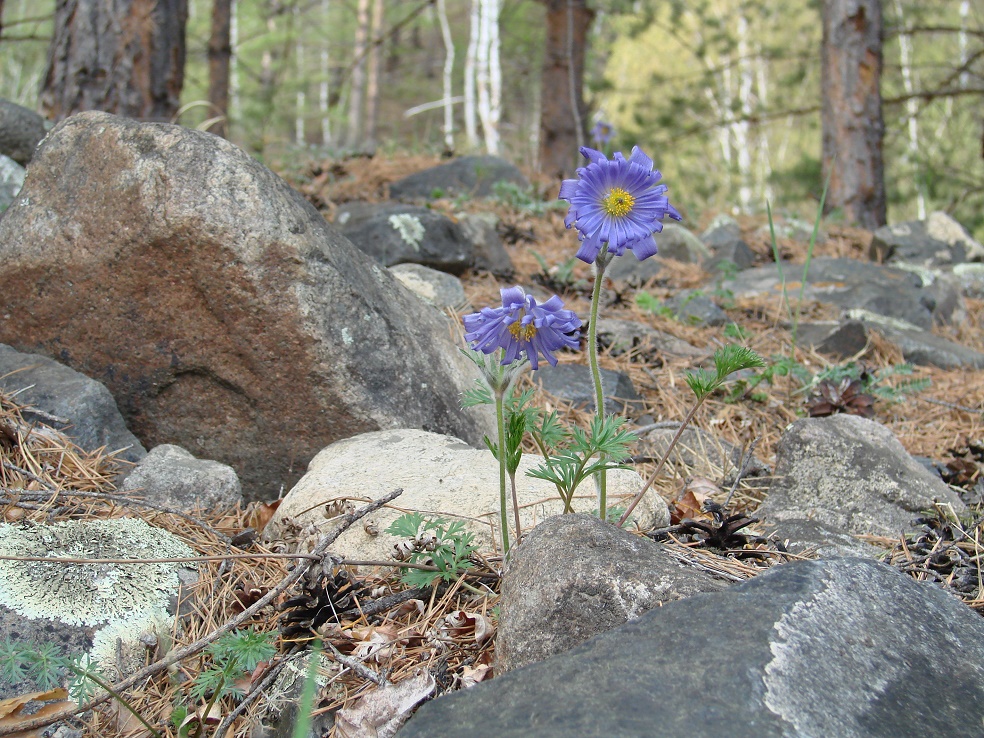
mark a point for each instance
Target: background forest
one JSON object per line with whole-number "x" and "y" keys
{"x": 724, "y": 94}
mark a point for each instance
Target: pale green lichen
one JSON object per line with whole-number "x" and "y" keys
{"x": 126, "y": 600}
{"x": 409, "y": 227}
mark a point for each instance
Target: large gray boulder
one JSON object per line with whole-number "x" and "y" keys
{"x": 847, "y": 648}
{"x": 847, "y": 475}
{"x": 224, "y": 314}
{"x": 552, "y": 600}
{"x": 91, "y": 417}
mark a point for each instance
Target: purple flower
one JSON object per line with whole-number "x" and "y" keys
{"x": 602, "y": 133}
{"x": 523, "y": 325}
{"x": 616, "y": 202}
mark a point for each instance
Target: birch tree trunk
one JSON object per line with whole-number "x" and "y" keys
{"x": 125, "y": 57}
{"x": 324, "y": 87}
{"x": 373, "y": 77}
{"x": 471, "y": 119}
{"x": 851, "y": 113}
{"x": 911, "y": 109}
{"x": 358, "y": 78}
{"x": 219, "y": 60}
{"x": 442, "y": 18}
{"x": 301, "y": 99}
{"x": 741, "y": 127}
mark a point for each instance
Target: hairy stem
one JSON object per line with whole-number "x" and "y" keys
{"x": 601, "y": 479}
{"x": 501, "y": 427}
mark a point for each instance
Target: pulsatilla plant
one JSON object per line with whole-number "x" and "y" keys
{"x": 616, "y": 205}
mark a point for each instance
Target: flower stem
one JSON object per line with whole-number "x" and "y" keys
{"x": 501, "y": 423}
{"x": 600, "y": 263}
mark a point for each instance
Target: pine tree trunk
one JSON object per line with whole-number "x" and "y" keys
{"x": 219, "y": 58}
{"x": 562, "y": 111}
{"x": 853, "y": 128}
{"x": 121, "y": 56}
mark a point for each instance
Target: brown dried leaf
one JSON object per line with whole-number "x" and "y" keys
{"x": 262, "y": 514}
{"x": 382, "y": 712}
{"x": 461, "y": 624}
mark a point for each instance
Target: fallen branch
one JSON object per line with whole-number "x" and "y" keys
{"x": 320, "y": 551}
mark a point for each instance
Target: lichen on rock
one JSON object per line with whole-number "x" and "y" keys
{"x": 118, "y": 601}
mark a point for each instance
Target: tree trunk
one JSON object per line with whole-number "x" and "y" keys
{"x": 358, "y": 80}
{"x": 323, "y": 88}
{"x": 219, "y": 58}
{"x": 121, "y": 56}
{"x": 562, "y": 112}
{"x": 853, "y": 129}
{"x": 470, "y": 109}
{"x": 373, "y": 76}
{"x": 442, "y": 17}
{"x": 300, "y": 102}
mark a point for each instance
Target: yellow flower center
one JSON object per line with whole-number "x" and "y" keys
{"x": 618, "y": 202}
{"x": 522, "y": 332}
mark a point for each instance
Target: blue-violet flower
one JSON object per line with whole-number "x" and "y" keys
{"x": 617, "y": 202}
{"x": 523, "y": 325}
{"x": 602, "y": 133}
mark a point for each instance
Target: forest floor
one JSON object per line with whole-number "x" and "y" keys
{"x": 440, "y": 630}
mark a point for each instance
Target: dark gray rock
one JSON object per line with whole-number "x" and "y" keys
{"x": 622, "y": 336}
{"x": 488, "y": 253}
{"x": 573, "y": 383}
{"x": 841, "y": 340}
{"x": 11, "y": 181}
{"x": 677, "y": 243}
{"x": 574, "y": 577}
{"x": 925, "y": 348}
{"x": 852, "y": 284}
{"x": 850, "y": 475}
{"x": 696, "y": 308}
{"x": 170, "y": 476}
{"x": 628, "y": 269}
{"x": 723, "y": 238}
{"x": 474, "y": 176}
{"x": 937, "y": 241}
{"x": 93, "y": 419}
{"x": 21, "y": 129}
{"x": 846, "y": 647}
{"x": 394, "y": 233}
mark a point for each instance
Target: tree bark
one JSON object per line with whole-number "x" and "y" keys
{"x": 219, "y": 59}
{"x": 122, "y": 56}
{"x": 562, "y": 111}
{"x": 373, "y": 76}
{"x": 853, "y": 128}
{"x": 358, "y": 79}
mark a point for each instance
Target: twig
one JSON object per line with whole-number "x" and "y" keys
{"x": 950, "y": 405}
{"x": 345, "y": 522}
{"x": 121, "y": 499}
{"x": 357, "y": 666}
{"x": 408, "y": 565}
{"x": 250, "y": 697}
{"x": 175, "y": 560}
{"x": 741, "y": 471}
{"x": 30, "y": 475}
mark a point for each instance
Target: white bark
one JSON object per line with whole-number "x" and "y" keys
{"x": 741, "y": 127}
{"x": 301, "y": 100}
{"x": 324, "y": 89}
{"x": 358, "y": 79}
{"x": 962, "y": 40}
{"x": 911, "y": 109}
{"x": 372, "y": 82}
{"x": 487, "y": 56}
{"x": 471, "y": 120}
{"x": 442, "y": 17}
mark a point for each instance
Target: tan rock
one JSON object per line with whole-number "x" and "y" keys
{"x": 440, "y": 476}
